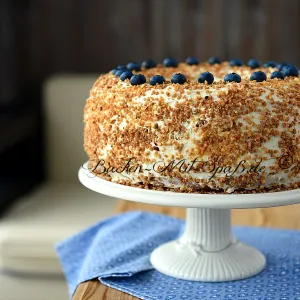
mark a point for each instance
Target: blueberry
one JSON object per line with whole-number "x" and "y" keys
{"x": 192, "y": 61}
{"x": 277, "y": 74}
{"x": 232, "y": 77}
{"x": 286, "y": 67}
{"x": 121, "y": 67}
{"x": 157, "y": 79}
{"x": 118, "y": 68}
{"x": 291, "y": 71}
{"x": 137, "y": 79}
{"x": 206, "y": 76}
{"x": 126, "y": 75}
{"x": 270, "y": 64}
{"x": 170, "y": 62}
{"x": 119, "y": 72}
{"x": 236, "y": 62}
{"x": 214, "y": 60}
{"x": 133, "y": 66}
{"x": 281, "y": 66}
{"x": 148, "y": 64}
{"x": 178, "y": 78}
{"x": 259, "y": 76}
{"x": 253, "y": 63}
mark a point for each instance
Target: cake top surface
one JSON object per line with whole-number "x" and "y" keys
{"x": 190, "y": 90}
{"x": 221, "y": 77}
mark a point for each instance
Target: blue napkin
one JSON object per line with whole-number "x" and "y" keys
{"x": 117, "y": 252}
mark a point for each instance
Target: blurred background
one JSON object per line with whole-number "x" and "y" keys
{"x": 51, "y": 51}
{"x": 42, "y": 38}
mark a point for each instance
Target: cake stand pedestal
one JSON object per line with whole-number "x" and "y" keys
{"x": 207, "y": 250}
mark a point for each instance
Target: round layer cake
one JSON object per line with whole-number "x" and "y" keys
{"x": 218, "y": 127}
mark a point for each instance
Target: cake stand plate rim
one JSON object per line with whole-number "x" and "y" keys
{"x": 217, "y": 201}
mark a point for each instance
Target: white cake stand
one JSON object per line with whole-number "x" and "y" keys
{"x": 206, "y": 251}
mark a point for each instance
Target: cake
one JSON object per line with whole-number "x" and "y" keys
{"x": 210, "y": 127}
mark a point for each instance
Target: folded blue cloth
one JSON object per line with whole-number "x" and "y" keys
{"x": 117, "y": 251}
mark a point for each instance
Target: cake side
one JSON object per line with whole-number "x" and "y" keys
{"x": 195, "y": 137}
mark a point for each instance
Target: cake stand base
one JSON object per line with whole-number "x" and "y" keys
{"x": 207, "y": 251}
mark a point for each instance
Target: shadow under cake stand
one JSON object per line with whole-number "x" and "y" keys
{"x": 207, "y": 250}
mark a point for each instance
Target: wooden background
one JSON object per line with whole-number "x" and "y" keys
{"x": 50, "y": 36}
